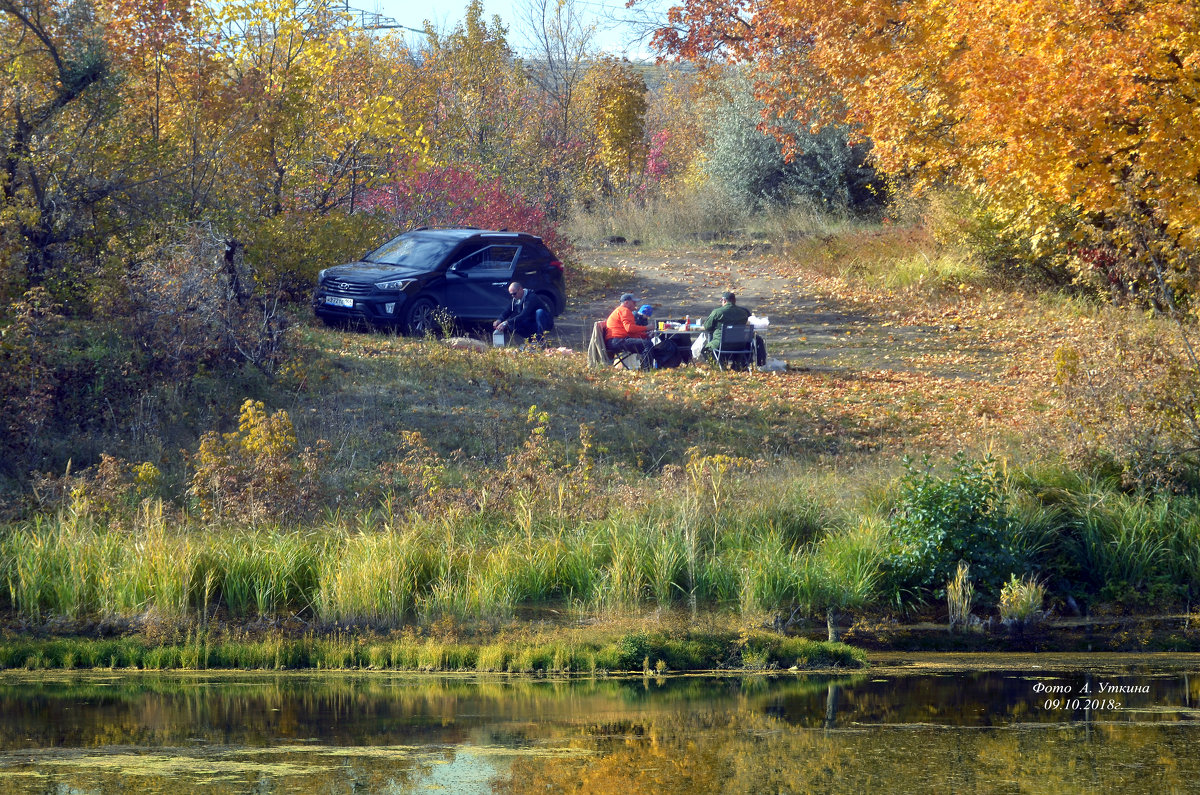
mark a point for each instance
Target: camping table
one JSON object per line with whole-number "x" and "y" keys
{"x": 683, "y": 337}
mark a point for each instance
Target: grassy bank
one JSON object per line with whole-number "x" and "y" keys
{"x": 382, "y": 483}
{"x": 650, "y": 652}
{"x": 700, "y": 543}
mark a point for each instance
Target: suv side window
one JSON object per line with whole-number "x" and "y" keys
{"x": 490, "y": 261}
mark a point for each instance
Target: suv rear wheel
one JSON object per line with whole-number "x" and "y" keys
{"x": 551, "y": 302}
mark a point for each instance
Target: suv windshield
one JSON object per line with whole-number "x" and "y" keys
{"x": 411, "y": 250}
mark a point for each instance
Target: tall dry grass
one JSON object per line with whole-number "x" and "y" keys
{"x": 706, "y": 214}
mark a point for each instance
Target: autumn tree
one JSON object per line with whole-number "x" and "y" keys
{"x": 458, "y": 196}
{"x": 55, "y": 103}
{"x": 311, "y": 104}
{"x": 562, "y": 49}
{"x": 677, "y": 116}
{"x": 150, "y": 42}
{"x": 1074, "y": 119}
{"x": 616, "y": 101}
{"x": 482, "y": 115}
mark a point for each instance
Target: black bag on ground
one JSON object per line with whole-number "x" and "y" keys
{"x": 665, "y": 353}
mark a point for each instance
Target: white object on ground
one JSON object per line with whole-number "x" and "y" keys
{"x": 466, "y": 344}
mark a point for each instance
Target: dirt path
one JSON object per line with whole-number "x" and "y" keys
{"x": 679, "y": 283}
{"x": 872, "y": 369}
{"x": 821, "y": 329}
{"x": 808, "y": 331}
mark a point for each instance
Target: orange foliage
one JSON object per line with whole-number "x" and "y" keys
{"x": 1038, "y": 104}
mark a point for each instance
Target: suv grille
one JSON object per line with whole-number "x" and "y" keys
{"x": 347, "y": 288}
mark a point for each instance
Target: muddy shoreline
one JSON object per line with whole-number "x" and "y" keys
{"x": 1073, "y": 635}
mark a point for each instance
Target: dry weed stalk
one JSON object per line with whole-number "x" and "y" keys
{"x": 960, "y": 592}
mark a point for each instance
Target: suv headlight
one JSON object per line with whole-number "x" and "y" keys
{"x": 396, "y": 285}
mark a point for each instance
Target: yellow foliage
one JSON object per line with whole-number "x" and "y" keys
{"x": 479, "y": 98}
{"x": 316, "y": 102}
{"x": 1021, "y": 599}
{"x": 258, "y": 471}
{"x": 615, "y": 95}
{"x": 713, "y": 476}
{"x": 147, "y": 478}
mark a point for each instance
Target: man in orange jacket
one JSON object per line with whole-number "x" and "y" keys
{"x": 624, "y": 334}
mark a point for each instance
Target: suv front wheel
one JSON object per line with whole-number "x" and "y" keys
{"x": 419, "y": 316}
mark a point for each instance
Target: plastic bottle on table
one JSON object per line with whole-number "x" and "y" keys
{"x": 687, "y": 320}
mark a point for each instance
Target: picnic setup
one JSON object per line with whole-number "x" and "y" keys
{"x": 729, "y": 338}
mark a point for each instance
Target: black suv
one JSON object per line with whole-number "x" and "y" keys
{"x": 402, "y": 283}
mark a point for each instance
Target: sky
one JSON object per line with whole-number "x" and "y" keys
{"x": 615, "y": 25}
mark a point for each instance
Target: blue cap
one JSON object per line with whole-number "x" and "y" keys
{"x": 646, "y": 310}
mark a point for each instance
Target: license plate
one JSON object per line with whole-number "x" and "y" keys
{"x": 337, "y": 300}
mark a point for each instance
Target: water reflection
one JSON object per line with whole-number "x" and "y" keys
{"x": 897, "y": 732}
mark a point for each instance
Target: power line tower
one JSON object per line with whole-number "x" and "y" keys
{"x": 367, "y": 20}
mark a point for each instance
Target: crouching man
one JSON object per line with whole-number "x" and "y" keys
{"x": 528, "y": 315}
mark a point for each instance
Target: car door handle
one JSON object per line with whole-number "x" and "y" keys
{"x": 499, "y": 284}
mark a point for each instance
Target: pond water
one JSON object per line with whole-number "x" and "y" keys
{"x": 988, "y": 724}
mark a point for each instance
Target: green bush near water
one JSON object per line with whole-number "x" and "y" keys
{"x": 963, "y": 516}
{"x": 1083, "y": 536}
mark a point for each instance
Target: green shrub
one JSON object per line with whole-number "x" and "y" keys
{"x": 630, "y": 650}
{"x": 751, "y": 167}
{"x": 939, "y": 521}
{"x": 1123, "y": 546}
{"x": 286, "y": 251}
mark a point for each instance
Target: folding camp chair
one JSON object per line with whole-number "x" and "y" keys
{"x": 736, "y": 348}
{"x": 600, "y": 354}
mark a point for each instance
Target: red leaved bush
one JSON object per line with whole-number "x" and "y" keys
{"x": 455, "y": 196}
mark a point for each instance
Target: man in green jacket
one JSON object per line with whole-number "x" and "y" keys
{"x": 727, "y": 314}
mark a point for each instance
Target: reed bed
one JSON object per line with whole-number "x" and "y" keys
{"x": 380, "y": 578}
{"x": 378, "y": 570}
{"x": 796, "y": 551}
